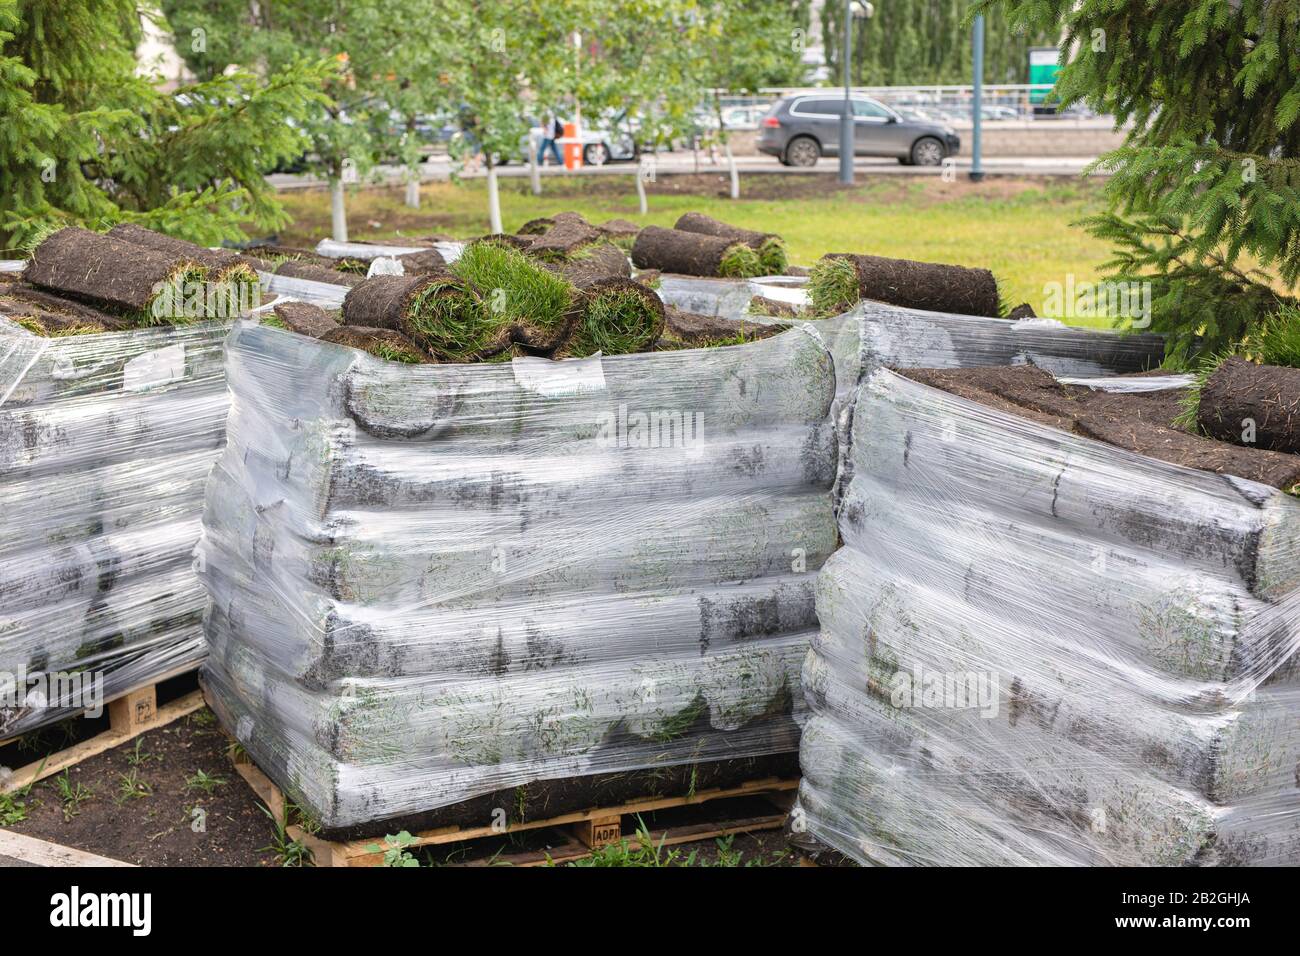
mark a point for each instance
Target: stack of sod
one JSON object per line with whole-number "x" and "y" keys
{"x": 840, "y": 280}
{"x": 770, "y": 247}
{"x": 45, "y": 314}
{"x": 692, "y": 253}
{"x": 494, "y": 302}
{"x": 138, "y": 283}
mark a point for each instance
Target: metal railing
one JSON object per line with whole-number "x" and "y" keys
{"x": 938, "y": 102}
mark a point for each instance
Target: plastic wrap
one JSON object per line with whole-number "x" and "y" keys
{"x": 1035, "y": 648}
{"x": 432, "y": 583}
{"x": 105, "y": 444}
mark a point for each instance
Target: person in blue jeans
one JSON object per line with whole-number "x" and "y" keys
{"x": 552, "y": 131}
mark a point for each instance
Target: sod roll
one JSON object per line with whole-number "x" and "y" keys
{"x": 381, "y": 343}
{"x": 305, "y": 319}
{"x": 769, "y": 246}
{"x": 1254, "y": 405}
{"x": 618, "y": 317}
{"x": 215, "y": 261}
{"x": 296, "y": 269}
{"x": 840, "y": 280}
{"x": 535, "y": 305}
{"x": 444, "y": 315}
{"x": 691, "y": 253}
{"x": 104, "y": 270}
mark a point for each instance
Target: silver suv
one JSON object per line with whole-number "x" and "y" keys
{"x": 799, "y": 130}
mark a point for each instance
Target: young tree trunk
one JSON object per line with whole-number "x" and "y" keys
{"x": 534, "y": 167}
{"x": 733, "y": 171}
{"x": 413, "y": 189}
{"x": 640, "y": 188}
{"x": 494, "y": 199}
{"x": 338, "y": 214}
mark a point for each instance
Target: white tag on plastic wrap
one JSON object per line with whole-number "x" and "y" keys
{"x": 567, "y": 377}
{"x": 152, "y": 369}
{"x": 385, "y": 266}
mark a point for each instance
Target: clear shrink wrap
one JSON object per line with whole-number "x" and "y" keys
{"x": 106, "y": 441}
{"x": 433, "y": 583}
{"x": 1035, "y": 648}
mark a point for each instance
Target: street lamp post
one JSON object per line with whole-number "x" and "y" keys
{"x": 852, "y": 9}
{"x": 977, "y": 102}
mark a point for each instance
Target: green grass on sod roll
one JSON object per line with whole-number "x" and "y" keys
{"x": 740, "y": 262}
{"x": 832, "y": 287}
{"x": 615, "y": 322}
{"x": 515, "y": 289}
{"x": 453, "y": 321}
{"x": 772, "y": 257}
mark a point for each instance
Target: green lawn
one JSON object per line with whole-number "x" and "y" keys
{"x": 1020, "y": 229}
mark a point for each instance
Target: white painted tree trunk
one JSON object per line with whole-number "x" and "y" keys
{"x": 733, "y": 171}
{"x": 494, "y": 200}
{"x": 534, "y": 167}
{"x": 640, "y": 188}
{"x": 413, "y": 189}
{"x": 338, "y": 214}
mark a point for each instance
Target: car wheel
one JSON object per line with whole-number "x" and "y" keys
{"x": 928, "y": 151}
{"x": 595, "y": 154}
{"x": 803, "y": 151}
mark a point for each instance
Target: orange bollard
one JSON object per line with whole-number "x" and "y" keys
{"x": 572, "y": 147}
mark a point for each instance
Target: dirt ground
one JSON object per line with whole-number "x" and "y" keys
{"x": 171, "y": 798}
{"x": 145, "y": 802}
{"x": 377, "y": 212}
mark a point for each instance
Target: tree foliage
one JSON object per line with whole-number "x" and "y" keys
{"x": 1205, "y": 193}
{"x": 87, "y": 140}
{"x": 917, "y": 42}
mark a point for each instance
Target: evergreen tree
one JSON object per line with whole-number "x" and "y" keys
{"x": 1205, "y": 193}
{"x": 86, "y": 140}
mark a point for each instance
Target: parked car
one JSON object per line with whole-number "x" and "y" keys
{"x": 799, "y": 130}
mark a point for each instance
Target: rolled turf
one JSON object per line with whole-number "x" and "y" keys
{"x": 1253, "y": 405}
{"x": 769, "y": 246}
{"x": 840, "y": 280}
{"x": 112, "y": 273}
{"x": 296, "y": 269}
{"x": 534, "y": 304}
{"x": 443, "y": 314}
{"x": 305, "y": 319}
{"x": 618, "y": 317}
{"x": 381, "y": 343}
{"x": 692, "y": 253}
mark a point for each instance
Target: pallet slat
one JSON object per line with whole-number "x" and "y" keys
{"x": 588, "y": 829}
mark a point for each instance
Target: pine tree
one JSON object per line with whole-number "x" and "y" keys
{"x": 86, "y": 140}
{"x": 1205, "y": 193}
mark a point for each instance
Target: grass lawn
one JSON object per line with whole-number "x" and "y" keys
{"x": 1019, "y": 228}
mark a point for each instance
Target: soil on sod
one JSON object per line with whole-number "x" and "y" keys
{"x": 1143, "y": 422}
{"x": 156, "y": 827}
{"x": 1242, "y": 397}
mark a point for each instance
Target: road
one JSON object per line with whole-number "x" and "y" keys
{"x": 438, "y": 169}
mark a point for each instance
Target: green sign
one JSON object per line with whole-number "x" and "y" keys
{"x": 1044, "y": 65}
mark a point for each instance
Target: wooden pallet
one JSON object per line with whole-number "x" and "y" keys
{"x": 130, "y": 714}
{"x": 584, "y": 830}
